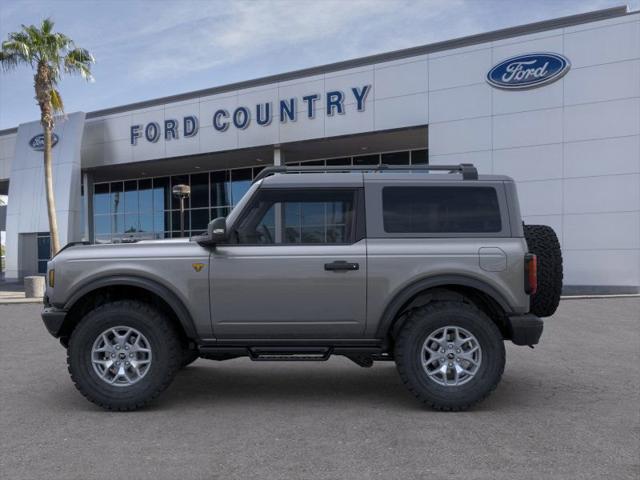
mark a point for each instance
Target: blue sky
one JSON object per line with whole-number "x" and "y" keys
{"x": 149, "y": 49}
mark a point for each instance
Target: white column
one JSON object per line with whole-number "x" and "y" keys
{"x": 278, "y": 158}
{"x": 277, "y": 161}
{"x": 87, "y": 221}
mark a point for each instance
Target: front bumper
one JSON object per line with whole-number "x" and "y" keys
{"x": 53, "y": 319}
{"x": 525, "y": 329}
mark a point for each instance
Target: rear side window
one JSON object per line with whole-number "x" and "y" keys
{"x": 440, "y": 210}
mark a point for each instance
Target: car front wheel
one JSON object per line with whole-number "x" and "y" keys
{"x": 123, "y": 354}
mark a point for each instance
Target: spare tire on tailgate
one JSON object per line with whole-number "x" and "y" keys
{"x": 543, "y": 242}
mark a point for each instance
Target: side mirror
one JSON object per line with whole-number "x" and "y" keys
{"x": 217, "y": 229}
{"x": 216, "y": 233}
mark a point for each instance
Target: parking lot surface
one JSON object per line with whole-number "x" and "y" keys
{"x": 568, "y": 409}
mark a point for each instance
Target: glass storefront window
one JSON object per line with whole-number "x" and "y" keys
{"x": 131, "y": 223}
{"x": 395, "y": 158}
{"x": 199, "y": 219}
{"x": 220, "y": 196}
{"x": 175, "y": 221}
{"x": 102, "y": 224}
{"x": 419, "y": 157}
{"x": 161, "y": 222}
{"x": 131, "y": 203}
{"x": 117, "y": 223}
{"x": 161, "y": 194}
{"x": 146, "y": 208}
{"x": 219, "y": 212}
{"x": 339, "y": 161}
{"x": 146, "y": 222}
{"x": 44, "y": 251}
{"x": 116, "y": 198}
{"x": 240, "y": 183}
{"x": 200, "y": 190}
{"x": 101, "y": 198}
{"x": 145, "y": 195}
{"x": 366, "y": 160}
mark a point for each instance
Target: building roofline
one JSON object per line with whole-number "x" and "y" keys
{"x": 494, "y": 35}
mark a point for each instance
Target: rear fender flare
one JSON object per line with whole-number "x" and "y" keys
{"x": 394, "y": 307}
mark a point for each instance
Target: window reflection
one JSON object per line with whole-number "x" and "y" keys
{"x": 116, "y": 198}
{"x": 240, "y": 183}
{"x": 101, "y": 199}
{"x": 220, "y": 188}
{"x": 161, "y": 194}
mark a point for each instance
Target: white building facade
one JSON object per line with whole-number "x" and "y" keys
{"x": 569, "y": 134}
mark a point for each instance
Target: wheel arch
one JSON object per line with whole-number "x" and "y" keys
{"x": 443, "y": 287}
{"x": 126, "y": 286}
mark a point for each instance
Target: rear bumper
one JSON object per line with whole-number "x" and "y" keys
{"x": 53, "y": 319}
{"x": 525, "y": 329}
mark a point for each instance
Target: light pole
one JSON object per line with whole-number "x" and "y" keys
{"x": 182, "y": 192}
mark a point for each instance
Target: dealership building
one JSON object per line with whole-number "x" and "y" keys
{"x": 553, "y": 104}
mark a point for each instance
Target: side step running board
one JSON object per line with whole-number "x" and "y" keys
{"x": 289, "y": 354}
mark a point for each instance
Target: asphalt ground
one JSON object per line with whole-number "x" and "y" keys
{"x": 568, "y": 409}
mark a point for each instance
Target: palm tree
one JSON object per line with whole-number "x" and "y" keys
{"x": 49, "y": 54}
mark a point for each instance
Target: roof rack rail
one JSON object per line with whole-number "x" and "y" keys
{"x": 468, "y": 170}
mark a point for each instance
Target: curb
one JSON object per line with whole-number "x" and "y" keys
{"x": 11, "y": 301}
{"x": 616, "y": 295}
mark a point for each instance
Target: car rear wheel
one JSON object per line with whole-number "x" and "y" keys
{"x": 450, "y": 355}
{"x": 123, "y": 354}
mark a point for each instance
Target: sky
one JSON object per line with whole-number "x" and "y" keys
{"x": 150, "y": 49}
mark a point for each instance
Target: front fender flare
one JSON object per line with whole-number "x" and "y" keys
{"x": 181, "y": 311}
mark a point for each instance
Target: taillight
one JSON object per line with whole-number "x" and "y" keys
{"x": 530, "y": 273}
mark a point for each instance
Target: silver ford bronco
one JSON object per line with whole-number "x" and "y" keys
{"x": 427, "y": 266}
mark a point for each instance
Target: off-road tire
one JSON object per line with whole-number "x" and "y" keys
{"x": 424, "y": 321}
{"x": 543, "y": 242}
{"x": 165, "y": 346}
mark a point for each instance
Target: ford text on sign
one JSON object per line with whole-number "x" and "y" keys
{"x": 286, "y": 110}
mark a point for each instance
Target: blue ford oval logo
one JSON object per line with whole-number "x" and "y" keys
{"x": 528, "y": 71}
{"x": 37, "y": 142}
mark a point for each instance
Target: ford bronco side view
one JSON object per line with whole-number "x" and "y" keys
{"x": 427, "y": 266}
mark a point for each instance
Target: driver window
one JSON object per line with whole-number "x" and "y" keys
{"x": 298, "y": 217}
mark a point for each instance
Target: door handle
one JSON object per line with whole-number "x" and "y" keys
{"x": 341, "y": 266}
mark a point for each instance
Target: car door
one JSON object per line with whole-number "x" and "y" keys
{"x": 295, "y": 267}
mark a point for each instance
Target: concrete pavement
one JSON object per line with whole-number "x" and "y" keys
{"x": 568, "y": 409}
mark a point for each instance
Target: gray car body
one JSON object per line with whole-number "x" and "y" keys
{"x": 253, "y": 293}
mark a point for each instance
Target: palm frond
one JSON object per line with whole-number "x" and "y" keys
{"x": 47, "y": 26}
{"x": 18, "y": 47}
{"x": 79, "y": 61}
{"x": 9, "y": 61}
{"x": 56, "y": 101}
{"x": 63, "y": 42}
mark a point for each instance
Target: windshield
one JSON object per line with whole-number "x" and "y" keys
{"x": 233, "y": 215}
